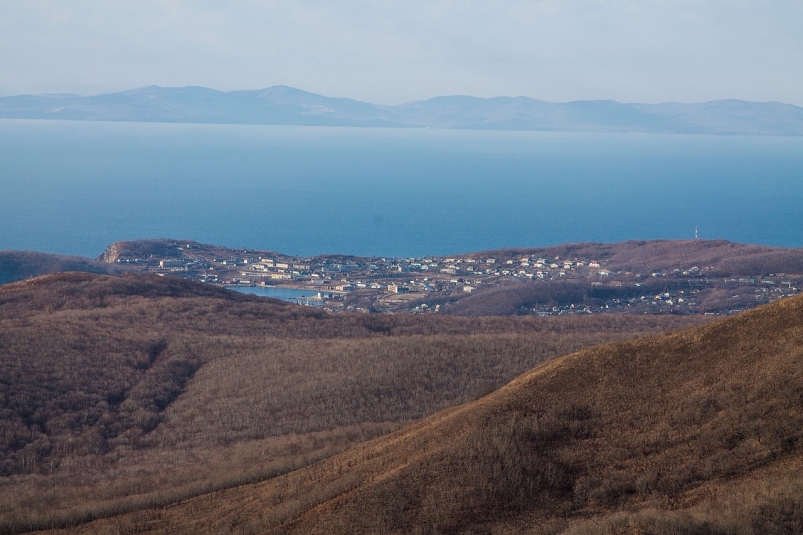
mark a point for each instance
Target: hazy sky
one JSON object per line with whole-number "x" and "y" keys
{"x": 391, "y": 52}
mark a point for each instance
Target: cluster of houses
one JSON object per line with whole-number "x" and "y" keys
{"x": 391, "y": 283}
{"x": 395, "y": 280}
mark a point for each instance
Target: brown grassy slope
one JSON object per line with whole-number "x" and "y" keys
{"x": 694, "y": 432}
{"x": 115, "y": 388}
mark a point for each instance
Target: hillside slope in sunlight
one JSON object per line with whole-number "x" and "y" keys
{"x": 698, "y": 431}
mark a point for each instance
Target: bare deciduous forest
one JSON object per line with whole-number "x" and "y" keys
{"x": 696, "y": 432}
{"x": 126, "y": 393}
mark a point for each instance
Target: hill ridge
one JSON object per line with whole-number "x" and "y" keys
{"x": 284, "y": 105}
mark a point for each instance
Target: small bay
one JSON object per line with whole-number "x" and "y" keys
{"x": 285, "y": 294}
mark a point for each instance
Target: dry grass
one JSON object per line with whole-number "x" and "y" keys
{"x": 766, "y": 503}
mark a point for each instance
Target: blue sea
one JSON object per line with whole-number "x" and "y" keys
{"x": 75, "y": 187}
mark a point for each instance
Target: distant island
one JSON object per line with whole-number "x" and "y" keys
{"x": 282, "y": 105}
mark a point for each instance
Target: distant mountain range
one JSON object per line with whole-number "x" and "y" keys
{"x": 282, "y": 105}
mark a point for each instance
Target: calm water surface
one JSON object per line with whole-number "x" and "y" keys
{"x": 287, "y": 294}
{"x": 75, "y": 187}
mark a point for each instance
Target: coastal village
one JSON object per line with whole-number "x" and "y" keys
{"x": 437, "y": 284}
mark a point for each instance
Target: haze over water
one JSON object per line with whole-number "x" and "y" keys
{"x": 75, "y": 187}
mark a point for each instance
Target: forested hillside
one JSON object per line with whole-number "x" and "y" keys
{"x": 697, "y": 432}
{"x": 121, "y": 393}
